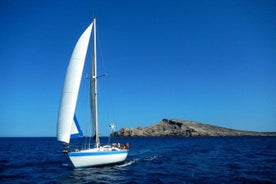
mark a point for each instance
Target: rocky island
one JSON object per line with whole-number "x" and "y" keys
{"x": 174, "y": 127}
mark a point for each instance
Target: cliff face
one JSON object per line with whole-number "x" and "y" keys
{"x": 172, "y": 127}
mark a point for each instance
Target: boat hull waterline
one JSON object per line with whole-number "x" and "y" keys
{"x": 96, "y": 157}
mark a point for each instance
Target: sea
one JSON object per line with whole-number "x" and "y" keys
{"x": 150, "y": 160}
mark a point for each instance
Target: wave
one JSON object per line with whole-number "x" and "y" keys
{"x": 65, "y": 165}
{"x": 131, "y": 162}
{"x": 127, "y": 163}
{"x": 150, "y": 158}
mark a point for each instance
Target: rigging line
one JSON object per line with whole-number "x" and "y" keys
{"x": 104, "y": 70}
{"x": 101, "y": 53}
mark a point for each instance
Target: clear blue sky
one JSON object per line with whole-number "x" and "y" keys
{"x": 207, "y": 61}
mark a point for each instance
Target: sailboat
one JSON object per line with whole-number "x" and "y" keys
{"x": 68, "y": 126}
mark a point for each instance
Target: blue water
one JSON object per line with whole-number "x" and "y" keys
{"x": 150, "y": 160}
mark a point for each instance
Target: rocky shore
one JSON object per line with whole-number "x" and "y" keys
{"x": 174, "y": 127}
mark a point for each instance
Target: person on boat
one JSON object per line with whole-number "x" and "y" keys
{"x": 126, "y": 145}
{"x": 117, "y": 145}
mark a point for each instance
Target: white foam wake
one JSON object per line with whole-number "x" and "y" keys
{"x": 127, "y": 163}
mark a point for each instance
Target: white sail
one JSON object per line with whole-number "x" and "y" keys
{"x": 71, "y": 87}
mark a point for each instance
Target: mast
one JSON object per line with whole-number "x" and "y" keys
{"x": 94, "y": 90}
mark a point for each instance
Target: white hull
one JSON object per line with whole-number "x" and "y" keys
{"x": 97, "y": 156}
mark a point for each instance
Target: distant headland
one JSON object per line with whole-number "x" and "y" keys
{"x": 174, "y": 127}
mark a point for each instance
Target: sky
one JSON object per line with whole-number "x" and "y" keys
{"x": 209, "y": 61}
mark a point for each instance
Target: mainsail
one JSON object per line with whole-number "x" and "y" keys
{"x": 94, "y": 91}
{"x": 71, "y": 87}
